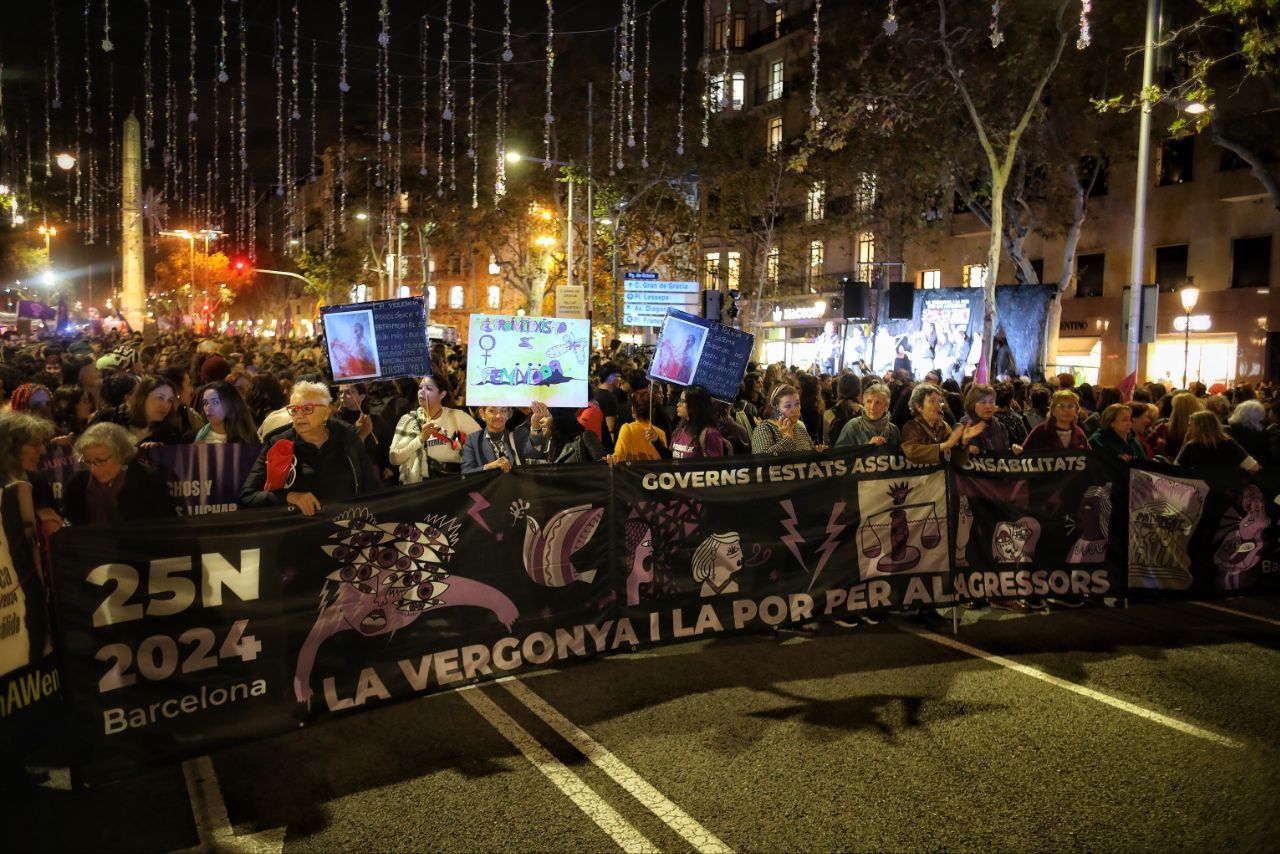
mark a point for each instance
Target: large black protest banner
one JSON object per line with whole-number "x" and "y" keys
{"x": 1205, "y": 531}
{"x": 1040, "y": 524}
{"x": 204, "y": 478}
{"x": 736, "y": 545}
{"x": 182, "y": 636}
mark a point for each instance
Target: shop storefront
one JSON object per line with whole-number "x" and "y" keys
{"x": 790, "y": 328}
{"x": 1223, "y": 339}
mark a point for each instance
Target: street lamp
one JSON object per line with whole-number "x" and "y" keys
{"x": 1189, "y": 297}
{"x": 65, "y": 161}
{"x": 47, "y": 232}
{"x": 516, "y": 157}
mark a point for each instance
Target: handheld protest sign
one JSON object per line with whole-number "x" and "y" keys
{"x": 517, "y": 360}
{"x": 694, "y": 351}
{"x": 376, "y": 340}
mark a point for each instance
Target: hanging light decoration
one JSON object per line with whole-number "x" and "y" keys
{"x": 422, "y": 77}
{"x": 817, "y": 44}
{"x": 706, "y": 83}
{"x": 644, "y": 129}
{"x": 107, "y": 46}
{"x": 996, "y": 37}
{"x": 507, "y": 53}
{"x": 684, "y": 39}
{"x": 57, "y": 87}
{"x": 630, "y": 70}
{"x": 148, "y": 111}
{"x": 471, "y": 108}
{"x": 615, "y": 85}
{"x": 223, "y": 77}
{"x": 191, "y": 58}
{"x": 548, "y": 117}
{"x": 245, "y": 232}
{"x": 343, "y": 88}
{"x": 891, "y": 20}
{"x": 1086, "y": 32}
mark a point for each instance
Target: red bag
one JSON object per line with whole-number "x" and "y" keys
{"x": 591, "y": 417}
{"x": 280, "y": 471}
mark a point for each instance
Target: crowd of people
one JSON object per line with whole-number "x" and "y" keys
{"x": 113, "y": 398}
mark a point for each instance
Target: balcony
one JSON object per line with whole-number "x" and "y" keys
{"x": 773, "y": 92}
{"x": 773, "y": 33}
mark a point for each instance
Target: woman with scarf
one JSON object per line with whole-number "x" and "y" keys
{"x": 927, "y": 438}
{"x": 428, "y": 441}
{"x": 980, "y": 408}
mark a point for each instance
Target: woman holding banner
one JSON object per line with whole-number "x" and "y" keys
{"x": 428, "y": 440}
{"x": 1115, "y": 434}
{"x": 316, "y": 459}
{"x": 494, "y": 446}
{"x": 114, "y": 488}
{"x": 1062, "y": 429}
{"x": 926, "y": 438}
{"x": 980, "y": 408}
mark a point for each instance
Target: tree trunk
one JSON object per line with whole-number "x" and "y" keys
{"x": 1257, "y": 166}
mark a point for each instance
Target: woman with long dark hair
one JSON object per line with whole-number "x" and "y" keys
{"x": 696, "y": 435}
{"x": 428, "y": 440}
{"x": 150, "y": 414}
{"x": 227, "y": 414}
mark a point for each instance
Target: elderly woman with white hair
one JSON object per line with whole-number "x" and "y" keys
{"x": 114, "y": 487}
{"x": 1248, "y": 426}
{"x": 317, "y": 458}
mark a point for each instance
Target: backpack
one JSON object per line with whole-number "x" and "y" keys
{"x": 725, "y": 444}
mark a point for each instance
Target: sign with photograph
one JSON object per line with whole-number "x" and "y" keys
{"x": 694, "y": 351}
{"x": 376, "y": 340}
{"x": 646, "y": 298}
{"x": 514, "y": 361}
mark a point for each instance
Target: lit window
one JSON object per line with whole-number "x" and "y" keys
{"x": 817, "y": 253}
{"x": 930, "y": 279}
{"x": 772, "y": 261}
{"x": 711, "y": 269}
{"x": 866, "y": 199}
{"x": 431, "y": 297}
{"x": 495, "y": 296}
{"x": 775, "y": 134}
{"x": 777, "y": 23}
{"x": 455, "y": 296}
{"x": 866, "y": 256}
{"x": 733, "y": 267}
{"x": 404, "y": 292}
{"x": 975, "y": 275}
{"x": 735, "y": 98}
{"x": 776, "y": 69}
{"x": 816, "y": 206}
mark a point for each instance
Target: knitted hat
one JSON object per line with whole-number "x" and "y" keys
{"x": 214, "y": 368}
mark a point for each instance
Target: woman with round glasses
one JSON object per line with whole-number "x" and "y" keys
{"x": 428, "y": 440}
{"x": 316, "y": 459}
{"x": 114, "y": 488}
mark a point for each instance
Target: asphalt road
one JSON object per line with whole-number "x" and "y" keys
{"x": 1149, "y": 728}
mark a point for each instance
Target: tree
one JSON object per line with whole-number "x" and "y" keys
{"x": 1226, "y": 69}
{"x": 217, "y": 282}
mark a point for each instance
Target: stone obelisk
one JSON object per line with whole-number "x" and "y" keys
{"x": 133, "y": 297}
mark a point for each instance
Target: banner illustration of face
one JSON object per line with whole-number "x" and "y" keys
{"x": 1093, "y": 519}
{"x": 389, "y": 575}
{"x": 1240, "y": 538}
{"x": 716, "y": 561}
{"x": 1163, "y": 513}
{"x": 1015, "y": 542}
{"x": 903, "y": 526}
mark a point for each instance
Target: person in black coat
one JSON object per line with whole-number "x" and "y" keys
{"x": 114, "y": 487}
{"x": 494, "y": 446}
{"x": 317, "y": 458}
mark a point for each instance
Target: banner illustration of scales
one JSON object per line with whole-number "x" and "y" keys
{"x": 517, "y": 360}
{"x": 904, "y": 526}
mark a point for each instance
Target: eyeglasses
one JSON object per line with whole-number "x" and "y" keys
{"x": 96, "y": 463}
{"x": 304, "y": 408}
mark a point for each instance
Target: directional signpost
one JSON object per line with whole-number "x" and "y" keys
{"x": 646, "y": 298}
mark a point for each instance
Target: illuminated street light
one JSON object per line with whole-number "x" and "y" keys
{"x": 1195, "y": 108}
{"x": 65, "y": 161}
{"x": 362, "y": 216}
{"x": 1189, "y": 296}
{"x": 48, "y": 278}
{"x": 545, "y": 241}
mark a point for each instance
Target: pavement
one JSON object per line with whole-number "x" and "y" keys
{"x": 1154, "y": 727}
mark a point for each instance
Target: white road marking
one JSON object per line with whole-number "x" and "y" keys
{"x": 1114, "y": 702}
{"x": 210, "y": 812}
{"x": 677, "y": 819}
{"x": 619, "y": 829}
{"x": 1261, "y": 619}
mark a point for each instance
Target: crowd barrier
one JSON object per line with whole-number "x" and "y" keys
{"x": 179, "y": 637}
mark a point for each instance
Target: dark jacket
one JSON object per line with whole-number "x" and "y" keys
{"x": 1108, "y": 442}
{"x": 145, "y": 496}
{"x": 350, "y": 471}
{"x": 477, "y": 452}
{"x": 1044, "y": 437}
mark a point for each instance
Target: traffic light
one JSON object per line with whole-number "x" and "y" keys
{"x": 240, "y": 265}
